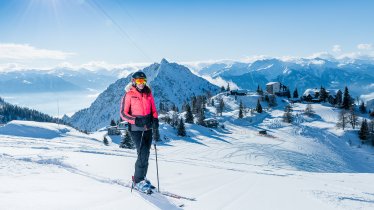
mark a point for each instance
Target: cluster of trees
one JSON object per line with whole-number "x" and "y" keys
{"x": 220, "y": 106}
{"x": 348, "y": 116}
{"x": 9, "y": 112}
{"x": 195, "y": 113}
{"x": 164, "y": 107}
{"x": 227, "y": 88}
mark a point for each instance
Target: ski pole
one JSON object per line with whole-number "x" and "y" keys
{"x": 158, "y": 182}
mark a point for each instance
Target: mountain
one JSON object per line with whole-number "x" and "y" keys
{"x": 171, "y": 83}
{"x": 87, "y": 79}
{"x": 302, "y": 73}
{"x": 33, "y": 81}
{"x": 57, "y": 80}
{"x": 225, "y": 69}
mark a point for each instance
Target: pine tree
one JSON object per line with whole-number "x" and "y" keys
{"x": 221, "y": 106}
{"x": 288, "y": 93}
{"x": 258, "y": 106}
{"x": 174, "y": 108}
{"x": 194, "y": 105}
{"x": 364, "y": 131}
{"x": 339, "y": 98}
{"x": 295, "y": 93}
{"x": 201, "y": 118}
{"x": 241, "y": 110}
{"x": 189, "y": 115}
{"x": 204, "y": 102}
{"x": 259, "y": 90}
{"x": 222, "y": 88}
{"x": 343, "y": 119}
{"x": 287, "y": 116}
{"x": 228, "y": 87}
{"x": 347, "y": 101}
{"x": 126, "y": 141}
{"x": 181, "y": 128}
{"x": 363, "y": 108}
{"x": 323, "y": 95}
{"x": 212, "y": 102}
{"x": 184, "y": 106}
{"x": 174, "y": 120}
{"x": 112, "y": 123}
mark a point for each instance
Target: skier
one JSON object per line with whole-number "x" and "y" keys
{"x": 139, "y": 110}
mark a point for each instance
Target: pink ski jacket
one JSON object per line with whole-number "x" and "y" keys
{"x": 136, "y": 104}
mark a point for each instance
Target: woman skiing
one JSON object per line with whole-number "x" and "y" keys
{"x": 139, "y": 110}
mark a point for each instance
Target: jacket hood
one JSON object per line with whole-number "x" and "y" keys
{"x": 128, "y": 87}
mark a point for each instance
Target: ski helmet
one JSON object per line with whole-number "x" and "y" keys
{"x": 139, "y": 74}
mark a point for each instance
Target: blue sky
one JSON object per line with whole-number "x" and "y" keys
{"x": 37, "y": 33}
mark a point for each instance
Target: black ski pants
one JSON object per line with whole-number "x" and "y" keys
{"x": 143, "y": 143}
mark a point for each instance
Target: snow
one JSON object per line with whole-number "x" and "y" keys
{"x": 311, "y": 92}
{"x": 272, "y": 83}
{"x": 307, "y": 165}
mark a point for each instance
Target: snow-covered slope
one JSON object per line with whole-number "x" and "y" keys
{"x": 171, "y": 83}
{"x": 34, "y": 129}
{"x": 307, "y": 165}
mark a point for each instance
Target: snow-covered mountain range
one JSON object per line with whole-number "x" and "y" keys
{"x": 171, "y": 83}
{"x": 302, "y": 73}
{"x": 57, "y": 80}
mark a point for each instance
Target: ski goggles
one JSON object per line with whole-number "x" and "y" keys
{"x": 140, "y": 81}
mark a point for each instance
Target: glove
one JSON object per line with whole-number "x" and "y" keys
{"x": 144, "y": 121}
{"x": 155, "y": 123}
{"x": 155, "y": 135}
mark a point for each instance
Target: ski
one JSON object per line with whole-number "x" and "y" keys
{"x": 165, "y": 193}
{"x": 169, "y": 194}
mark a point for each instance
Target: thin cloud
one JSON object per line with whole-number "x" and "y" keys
{"x": 4, "y": 67}
{"x": 28, "y": 52}
{"x": 364, "y": 46}
{"x": 337, "y": 48}
{"x": 97, "y": 65}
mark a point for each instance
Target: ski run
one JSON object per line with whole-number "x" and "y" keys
{"x": 310, "y": 164}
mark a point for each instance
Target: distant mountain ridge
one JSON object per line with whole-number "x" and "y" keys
{"x": 358, "y": 75}
{"x": 56, "y": 80}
